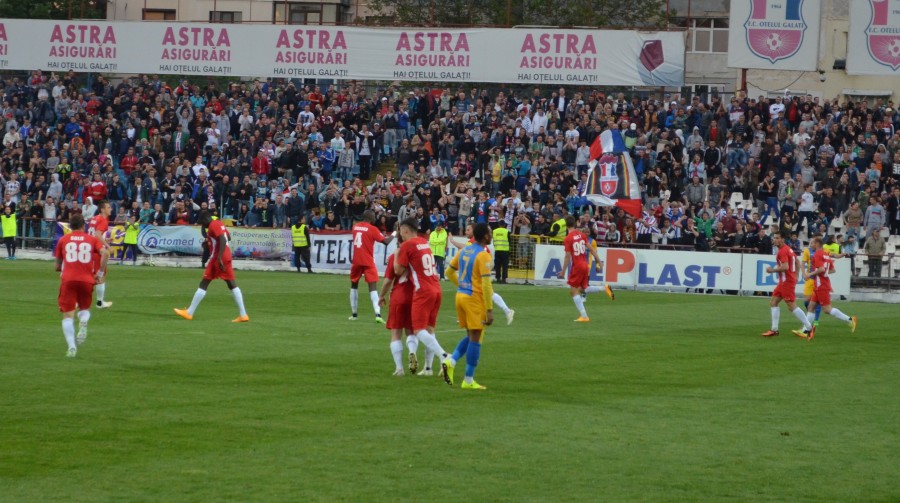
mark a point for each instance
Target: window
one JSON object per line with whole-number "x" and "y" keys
{"x": 296, "y": 13}
{"x": 221, "y": 16}
{"x": 159, "y": 15}
{"x": 709, "y": 35}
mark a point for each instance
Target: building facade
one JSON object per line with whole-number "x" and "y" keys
{"x": 323, "y": 12}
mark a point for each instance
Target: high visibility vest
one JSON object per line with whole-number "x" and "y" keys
{"x": 298, "y": 236}
{"x": 561, "y": 234}
{"x": 833, "y": 249}
{"x": 438, "y": 242}
{"x": 9, "y": 225}
{"x": 131, "y": 233}
{"x": 501, "y": 239}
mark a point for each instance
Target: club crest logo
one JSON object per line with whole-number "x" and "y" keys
{"x": 883, "y": 33}
{"x": 775, "y": 28}
{"x": 609, "y": 179}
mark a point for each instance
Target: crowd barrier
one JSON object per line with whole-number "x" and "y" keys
{"x": 532, "y": 258}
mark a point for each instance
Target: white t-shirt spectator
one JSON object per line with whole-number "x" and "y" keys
{"x": 807, "y": 203}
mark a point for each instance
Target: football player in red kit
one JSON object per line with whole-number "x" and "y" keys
{"x": 80, "y": 257}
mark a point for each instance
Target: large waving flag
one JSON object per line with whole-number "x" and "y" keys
{"x": 611, "y": 178}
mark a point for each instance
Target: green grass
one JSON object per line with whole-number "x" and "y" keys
{"x": 663, "y": 397}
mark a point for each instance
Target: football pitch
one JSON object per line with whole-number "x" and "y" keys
{"x": 662, "y": 397}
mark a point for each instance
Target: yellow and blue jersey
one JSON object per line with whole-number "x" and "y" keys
{"x": 473, "y": 264}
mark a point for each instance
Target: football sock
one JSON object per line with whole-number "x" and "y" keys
{"x": 374, "y": 296}
{"x": 498, "y": 301}
{"x": 593, "y": 289}
{"x": 802, "y": 317}
{"x": 198, "y": 296}
{"x": 776, "y": 315}
{"x": 397, "y": 352}
{"x": 579, "y": 303}
{"x": 430, "y": 342}
{"x": 461, "y": 349}
{"x": 68, "y": 325}
{"x": 818, "y": 311}
{"x": 412, "y": 343}
{"x": 839, "y": 315}
{"x": 84, "y": 316}
{"x": 810, "y": 317}
{"x": 472, "y": 356}
{"x": 354, "y": 300}
{"x": 429, "y": 358}
{"x": 101, "y": 292}
{"x": 239, "y": 300}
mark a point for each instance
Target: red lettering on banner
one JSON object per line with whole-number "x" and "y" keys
{"x": 311, "y": 39}
{"x": 433, "y": 41}
{"x": 82, "y": 34}
{"x": 3, "y": 32}
{"x": 618, "y": 261}
{"x": 559, "y": 43}
{"x": 204, "y": 37}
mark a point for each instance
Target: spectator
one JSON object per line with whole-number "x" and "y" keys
{"x": 875, "y": 249}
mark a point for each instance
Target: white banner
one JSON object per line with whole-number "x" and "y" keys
{"x": 539, "y": 56}
{"x": 334, "y": 250}
{"x": 873, "y": 47}
{"x": 244, "y": 243}
{"x": 649, "y": 268}
{"x": 754, "y": 277}
{"x": 774, "y": 34}
{"x": 645, "y": 269}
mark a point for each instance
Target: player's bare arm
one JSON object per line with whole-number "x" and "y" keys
{"x": 566, "y": 261}
{"x": 385, "y": 289}
{"x": 220, "y": 250}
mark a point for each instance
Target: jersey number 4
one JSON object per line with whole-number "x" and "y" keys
{"x": 357, "y": 240}
{"x": 79, "y": 252}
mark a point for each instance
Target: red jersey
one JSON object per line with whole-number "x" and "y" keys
{"x": 99, "y": 224}
{"x": 822, "y": 259}
{"x": 416, "y": 256}
{"x": 787, "y": 256}
{"x": 402, "y": 289}
{"x": 576, "y": 243}
{"x": 364, "y": 237}
{"x": 79, "y": 253}
{"x": 217, "y": 228}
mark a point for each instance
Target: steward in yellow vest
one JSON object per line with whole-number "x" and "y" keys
{"x": 301, "y": 241}
{"x": 8, "y": 220}
{"x": 501, "y": 253}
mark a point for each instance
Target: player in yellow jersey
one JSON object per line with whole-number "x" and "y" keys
{"x": 470, "y": 271}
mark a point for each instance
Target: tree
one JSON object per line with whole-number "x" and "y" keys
{"x": 53, "y": 9}
{"x": 593, "y": 13}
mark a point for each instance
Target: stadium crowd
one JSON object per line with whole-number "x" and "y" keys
{"x": 714, "y": 174}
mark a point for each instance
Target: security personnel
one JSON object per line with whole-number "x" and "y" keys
{"x": 558, "y": 230}
{"x": 501, "y": 253}
{"x": 300, "y": 239}
{"x": 132, "y": 229}
{"x": 438, "y": 240}
{"x": 8, "y": 219}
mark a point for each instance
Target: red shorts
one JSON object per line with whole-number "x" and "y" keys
{"x": 578, "y": 278}
{"x": 72, "y": 293}
{"x": 425, "y": 307}
{"x": 213, "y": 271}
{"x": 368, "y": 270}
{"x": 786, "y": 291}
{"x": 399, "y": 316}
{"x": 822, "y": 296}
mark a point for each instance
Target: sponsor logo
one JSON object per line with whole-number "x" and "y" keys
{"x": 762, "y": 277}
{"x": 775, "y": 28}
{"x": 883, "y": 33}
